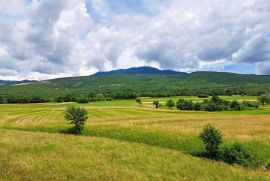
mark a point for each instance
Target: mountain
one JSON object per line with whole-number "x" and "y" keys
{"x": 141, "y": 70}
{"x": 144, "y": 81}
{"x": 11, "y": 82}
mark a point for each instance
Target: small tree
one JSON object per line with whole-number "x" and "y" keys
{"x": 139, "y": 101}
{"x": 76, "y": 116}
{"x": 170, "y": 103}
{"x": 156, "y": 103}
{"x": 212, "y": 139}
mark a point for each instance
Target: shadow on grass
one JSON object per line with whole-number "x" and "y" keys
{"x": 72, "y": 131}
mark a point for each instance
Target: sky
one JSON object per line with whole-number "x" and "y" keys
{"x": 45, "y": 39}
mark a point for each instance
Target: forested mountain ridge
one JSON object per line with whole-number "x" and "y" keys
{"x": 133, "y": 82}
{"x": 141, "y": 70}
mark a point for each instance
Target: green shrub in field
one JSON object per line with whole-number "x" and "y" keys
{"x": 212, "y": 139}
{"x": 156, "y": 103}
{"x": 236, "y": 154}
{"x": 83, "y": 100}
{"x": 184, "y": 105}
{"x": 170, "y": 104}
{"x": 76, "y": 116}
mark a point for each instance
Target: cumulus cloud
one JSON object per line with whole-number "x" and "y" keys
{"x": 54, "y": 38}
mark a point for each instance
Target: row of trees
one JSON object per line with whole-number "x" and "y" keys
{"x": 214, "y": 104}
{"x": 22, "y": 100}
{"x": 94, "y": 97}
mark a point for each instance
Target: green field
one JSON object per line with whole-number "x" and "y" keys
{"x": 123, "y": 141}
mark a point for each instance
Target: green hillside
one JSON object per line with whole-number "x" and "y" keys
{"x": 155, "y": 85}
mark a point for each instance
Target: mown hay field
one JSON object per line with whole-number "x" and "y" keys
{"x": 123, "y": 141}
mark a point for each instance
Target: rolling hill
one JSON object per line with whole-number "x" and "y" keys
{"x": 145, "y": 81}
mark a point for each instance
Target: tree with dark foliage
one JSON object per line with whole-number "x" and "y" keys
{"x": 76, "y": 116}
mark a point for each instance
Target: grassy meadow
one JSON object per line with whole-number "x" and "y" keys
{"x": 123, "y": 141}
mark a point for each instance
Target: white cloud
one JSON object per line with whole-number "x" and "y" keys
{"x": 53, "y": 38}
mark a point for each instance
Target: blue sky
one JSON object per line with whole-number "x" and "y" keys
{"x": 56, "y": 38}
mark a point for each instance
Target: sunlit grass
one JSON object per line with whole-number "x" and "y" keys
{"x": 145, "y": 127}
{"x": 40, "y": 156}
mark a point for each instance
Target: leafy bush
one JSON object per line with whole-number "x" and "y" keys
{"x": 76, "y": 116}
{"x": 170, "y": 104}
{"x": 184, "y": 105}
{"x": 236, "y": 154}
{"x": 212, "y": 139}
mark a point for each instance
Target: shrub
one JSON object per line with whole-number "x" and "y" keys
{"x": 170, "y": 104}
{"x": 236, "y": 154}
{"x": 212, "y": 139}
{"x": 76, "y": 116}
{"x": 184, "y": 105}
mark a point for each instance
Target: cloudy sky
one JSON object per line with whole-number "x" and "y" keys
{"x": 43, "y": 39}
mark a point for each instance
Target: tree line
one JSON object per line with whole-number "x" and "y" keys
{"x": 212, "y": 105}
